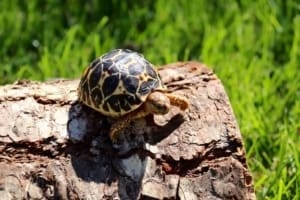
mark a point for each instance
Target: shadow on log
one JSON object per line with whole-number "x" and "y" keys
{"x": 52, "y": 147}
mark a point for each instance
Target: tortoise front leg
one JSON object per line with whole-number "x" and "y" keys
{"x": 123, "y": 122}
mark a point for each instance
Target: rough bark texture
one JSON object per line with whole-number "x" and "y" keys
{"x": 52, "y": 147}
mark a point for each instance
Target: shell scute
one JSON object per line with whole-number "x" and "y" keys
{"x": 133, "y": 100}
{"x": 110, "y": 84}
{"x": 114, "y": 103}
{"x": 151, "y": 72}
{"x": 111, "y": 55}
{"x": 135, "y": 69}
{"x": 97, "y": 96}
{"x": 110, "y": 67}
{"x": 147, "y": 86}
{"x": 95, "y": 77}
{"x": 130, "y": 84}
{"x": 95, "y": 63}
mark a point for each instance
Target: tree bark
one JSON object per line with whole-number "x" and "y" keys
{"x": 52, "y": 147}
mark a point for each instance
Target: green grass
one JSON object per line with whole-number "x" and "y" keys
{"x": 253, "y": 46}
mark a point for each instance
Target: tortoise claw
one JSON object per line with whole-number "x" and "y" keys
{"x": 113, "y": 135}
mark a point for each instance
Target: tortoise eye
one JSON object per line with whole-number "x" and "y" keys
{"x": 161, "y": 108}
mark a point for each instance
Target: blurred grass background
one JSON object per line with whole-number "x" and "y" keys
{"x": 253, "y": 46}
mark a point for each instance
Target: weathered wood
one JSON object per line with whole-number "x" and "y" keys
{"x": 52, "y": 147}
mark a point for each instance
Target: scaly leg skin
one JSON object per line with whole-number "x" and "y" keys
{"x": 179, "y": 101}
{"x": 124, "y": 121}
{"x": 117, "y": 127}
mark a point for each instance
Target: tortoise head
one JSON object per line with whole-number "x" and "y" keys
{"x": 157, "y": 103}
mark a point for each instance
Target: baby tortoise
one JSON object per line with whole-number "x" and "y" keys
{"x": 122, "y": 84}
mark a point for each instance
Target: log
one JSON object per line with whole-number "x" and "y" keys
{"x": 53, "y": 147}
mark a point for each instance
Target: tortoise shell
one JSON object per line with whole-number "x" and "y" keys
{"x": 118, "y": 82}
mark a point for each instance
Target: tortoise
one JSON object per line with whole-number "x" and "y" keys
{"x": 123, "y": 85}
